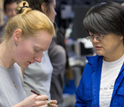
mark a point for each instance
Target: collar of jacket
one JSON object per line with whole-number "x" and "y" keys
{"x": 96, "y": 63}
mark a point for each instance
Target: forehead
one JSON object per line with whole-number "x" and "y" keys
{"x": 42, "y": 39}
{"x": 11, "y": 5}
{"x": 41, "y": 35}
{"x": 53, "y": 2}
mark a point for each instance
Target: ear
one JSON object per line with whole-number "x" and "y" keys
{"x": 43, "y": 8}
{"x": 122, "y": 37}
{"x": 17, "y": 35}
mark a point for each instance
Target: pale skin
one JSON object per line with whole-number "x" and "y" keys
{"x": 111, "y": 47}
{"x": 52, "y": 13}
{"x": 35, "y": 101}
{"x": 25, "y": 51}
{"x": 31, "y": 49}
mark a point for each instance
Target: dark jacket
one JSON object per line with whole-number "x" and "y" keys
{"x": 58, "y": 59}
{"x": 1, "y": 30}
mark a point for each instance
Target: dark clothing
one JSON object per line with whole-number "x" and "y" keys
{"x": 57, "y": 56}
{"x": 1, "y": 30}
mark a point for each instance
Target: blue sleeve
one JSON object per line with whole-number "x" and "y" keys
{"x": 79, "y": 96}
{"x": 83, "y": 91}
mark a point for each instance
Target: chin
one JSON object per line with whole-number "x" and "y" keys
{"x": 99, "y": 53}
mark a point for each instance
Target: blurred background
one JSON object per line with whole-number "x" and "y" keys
{"x": 70, "y": 14}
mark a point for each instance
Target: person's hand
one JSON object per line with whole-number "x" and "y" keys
{"x": 51, "y": 103}
{"x": 35, "y": 101}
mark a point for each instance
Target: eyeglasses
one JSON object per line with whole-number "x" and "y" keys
{"x": 99, "y": 37}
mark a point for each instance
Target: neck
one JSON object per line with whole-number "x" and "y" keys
{"x": 116, "y": 54}
{"x": 110, "y": 59}
{"x": 5, "y": 56}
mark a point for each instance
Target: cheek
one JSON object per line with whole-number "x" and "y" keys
{"x": 51, "y": 16}
{"x": 24, "y": 54}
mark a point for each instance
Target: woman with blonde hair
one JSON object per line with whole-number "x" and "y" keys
{"x": 47, "y": 81}
{"x": 26, "y": 36}
{"x": 38, "y": 75}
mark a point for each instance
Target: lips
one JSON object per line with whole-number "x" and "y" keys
{"x": 98, "y": 47}
{"x": 29, "y": 62}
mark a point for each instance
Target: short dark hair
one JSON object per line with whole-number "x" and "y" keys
{"x": 36, "y": 4}
{"x": 105, "y": 18}
{"x": 6, "y": 2}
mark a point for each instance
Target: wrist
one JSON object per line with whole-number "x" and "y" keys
{"x": 19, "y": 105}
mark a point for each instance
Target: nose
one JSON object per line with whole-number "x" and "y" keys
{"x": 38, "y": 58}
{"x": 55, "y": 12}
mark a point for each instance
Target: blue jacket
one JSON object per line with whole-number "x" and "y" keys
{"x": 87, "y": 93}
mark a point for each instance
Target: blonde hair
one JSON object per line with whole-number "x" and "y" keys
{"x": 29, "y": 21}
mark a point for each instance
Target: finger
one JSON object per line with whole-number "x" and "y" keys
{"x": 43, "y": 106}
{"x": 41, "y": 103}
{"x": 42, "y": 97}
{"x": 54, "y": 105}
{"x": 54, "y": 101}
{"x": 33, "y": 95}
{"x": 51, "y": 103}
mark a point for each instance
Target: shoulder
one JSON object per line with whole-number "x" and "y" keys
{"x": 2, "y": 27}
{"x": 17, "y": 70}
{"x": 93, "y": 62}
{"x": 57, "y": 49}
{"x": 94, "y": 59}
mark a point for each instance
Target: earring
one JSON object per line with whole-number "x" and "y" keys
{"x": 15, "y": 44}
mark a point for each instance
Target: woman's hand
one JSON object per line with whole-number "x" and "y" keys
{"x": 36, "y": 101}
{"x": 51, "y": 103}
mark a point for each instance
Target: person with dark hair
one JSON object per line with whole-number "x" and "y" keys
{"x": 102, "y": 82}
{"x": 46, "y": 81}
{"x": 25, "y": 38}
{"x": 9, "y": 8}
